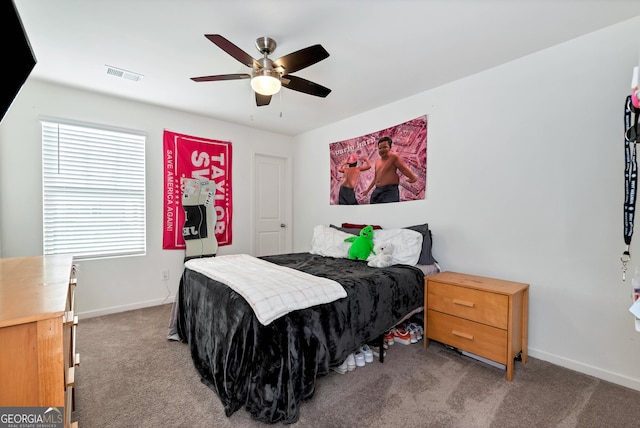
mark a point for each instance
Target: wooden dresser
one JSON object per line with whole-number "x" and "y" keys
{"x": 483, "y": 316}
{"x": 37, "y": 333}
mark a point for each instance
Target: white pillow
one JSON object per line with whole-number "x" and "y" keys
{"x": 329, "y": 242}
{"x": 407, "y": 244}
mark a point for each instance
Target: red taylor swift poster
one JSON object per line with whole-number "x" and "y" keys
{"x": 193, "y": 157}
{"x": 385, "y": 166}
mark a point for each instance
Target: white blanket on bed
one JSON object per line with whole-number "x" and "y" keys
{"x": 271, "y": 290}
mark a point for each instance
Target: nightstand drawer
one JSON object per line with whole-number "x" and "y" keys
{"x": 479, "y": 339}
{"x": 481, "y": 306}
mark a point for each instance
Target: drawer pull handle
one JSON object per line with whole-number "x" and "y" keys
{"x": 68, "y": 318}
{"x": 463, "y": 335}
{"x": 71, "y": 377}
{"x": 463, "y": 303}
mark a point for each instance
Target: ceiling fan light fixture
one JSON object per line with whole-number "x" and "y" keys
{"x": 268, "y": 76}
{"x": 266, "y": 82}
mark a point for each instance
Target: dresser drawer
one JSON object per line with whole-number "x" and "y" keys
{"x": 475, "y": 305}
{"x": 479, "y": 339}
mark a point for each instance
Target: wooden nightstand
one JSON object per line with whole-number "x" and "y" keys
{"x": 483, "y": 316}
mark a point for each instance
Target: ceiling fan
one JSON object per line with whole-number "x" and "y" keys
{"x": 267, "y": 76}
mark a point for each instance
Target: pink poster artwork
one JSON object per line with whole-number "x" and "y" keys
{"x": 398, "y": 154}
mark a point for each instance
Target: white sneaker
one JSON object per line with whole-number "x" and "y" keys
{"x": 376, "y": 352}
{"x": 359, "y": 356}
{"x": 351, "y": 362}
{"x": 415, "y": 331}
{"x": 368, "y": 353}
{"x": 342, "y": 368}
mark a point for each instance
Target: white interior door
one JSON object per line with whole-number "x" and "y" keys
{"x": 272, "y": 234}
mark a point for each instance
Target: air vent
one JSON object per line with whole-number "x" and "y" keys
{"x": 118, "y": 72}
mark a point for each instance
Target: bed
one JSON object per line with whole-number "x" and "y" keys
{"x": 269, "y": 370}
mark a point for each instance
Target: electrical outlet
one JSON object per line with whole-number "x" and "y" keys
{"x": 164, "y": 274}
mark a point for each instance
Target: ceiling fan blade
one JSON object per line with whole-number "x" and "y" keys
{"x": 305, "y": 86}
{"x": 301, "y": 59}
{"x": 262, "y": 100}
{"x": 221, "y": 77}
{"x": 233, "y": 50}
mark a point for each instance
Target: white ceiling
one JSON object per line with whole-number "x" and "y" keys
{"x": 380, "y": 50}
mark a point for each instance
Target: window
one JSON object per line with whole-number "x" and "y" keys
{"x": 93, "y": 190}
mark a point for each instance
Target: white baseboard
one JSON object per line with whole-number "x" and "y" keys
{"x": 586, "y": 369}
{"x": 116, "y": 309}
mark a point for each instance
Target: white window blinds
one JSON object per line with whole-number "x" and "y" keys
{"x": 93, "y": 191}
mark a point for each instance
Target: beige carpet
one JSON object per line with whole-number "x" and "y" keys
{"x": 132, "y": 376}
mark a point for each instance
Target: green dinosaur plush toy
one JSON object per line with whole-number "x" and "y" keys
{"x": 361, "y": 246}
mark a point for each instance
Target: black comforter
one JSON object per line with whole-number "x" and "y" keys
{"x": 269, "y": 370}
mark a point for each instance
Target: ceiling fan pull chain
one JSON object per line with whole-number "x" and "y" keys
{"x": 251, "y": 104}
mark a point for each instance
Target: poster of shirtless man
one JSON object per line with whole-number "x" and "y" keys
{"x": 386, "y": 166}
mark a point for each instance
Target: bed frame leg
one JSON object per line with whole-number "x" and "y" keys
{"x": 381, "y": 347}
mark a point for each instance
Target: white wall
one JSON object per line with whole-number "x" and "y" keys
{"x": 112, "y": 285}
{"x": 524, "y": 182}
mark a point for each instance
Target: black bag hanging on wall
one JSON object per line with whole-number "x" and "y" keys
{"x": 630, "y": 178}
